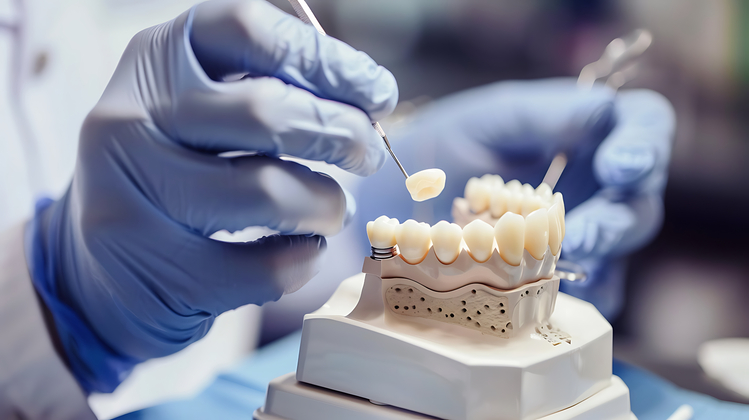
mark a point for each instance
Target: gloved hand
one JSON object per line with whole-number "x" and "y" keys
{"x": 124, "y": 260}
{"x": 618, "y": 145}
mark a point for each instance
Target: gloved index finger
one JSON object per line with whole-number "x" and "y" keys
{"x": 255, "y": 37}
{"x": 636, "y": 154}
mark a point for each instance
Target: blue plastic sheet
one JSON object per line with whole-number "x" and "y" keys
{"x": 239, "y": 392}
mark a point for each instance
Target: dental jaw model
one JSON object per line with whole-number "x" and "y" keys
{"x": 457, "y": 321}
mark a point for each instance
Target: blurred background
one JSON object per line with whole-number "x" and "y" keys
{"x": 692, "y": 283}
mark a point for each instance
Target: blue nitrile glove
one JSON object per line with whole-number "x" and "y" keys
{"x": 124, "y": 259}
{"x": 618, "y": 146}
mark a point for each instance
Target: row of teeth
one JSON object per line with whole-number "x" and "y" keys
{"x": 491, "y": 193}
{"x": 511, "y": 234}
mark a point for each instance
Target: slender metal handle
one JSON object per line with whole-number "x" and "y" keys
{"x": 305, "y": 15}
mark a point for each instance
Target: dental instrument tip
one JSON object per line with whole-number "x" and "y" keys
{"x": 384, "y": 136}
{"x": 555, "y": 170}
{"x": 305, "y": 14}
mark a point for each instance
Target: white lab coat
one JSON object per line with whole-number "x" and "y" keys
{"x": 56, "y": 57}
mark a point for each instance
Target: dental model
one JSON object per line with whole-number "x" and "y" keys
{"x": 463, "y": 323}
{"x": 426, "y": 184}
{"x": 510, "y": 240}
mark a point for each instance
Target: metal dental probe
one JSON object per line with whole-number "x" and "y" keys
{"x": 616, "y": 62}
{"x": 305, "y": 15}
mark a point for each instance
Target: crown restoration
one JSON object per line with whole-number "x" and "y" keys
{"x": 426, "y": 184}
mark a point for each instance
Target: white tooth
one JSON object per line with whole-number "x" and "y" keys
{"x": 493, "y": 180}
{"x": 537, "y": 233}
{"x": 413, "y": 240}
{"x": 515, "y": 202}
{"x": 544, "y": 191}
{"x": 530, "y": 204}
{"x": 558, "y": 199}
{"x": 555, "y": 229}
{"x": 510, "y": 234}
{"x": 514, "y": 185}
{"x": 479, "y": 237}
{"x": 446, "y": 239}
{"x": 498, "y": 201}
{"x": 477, "y": 193}
{"x": 381, "y": 232}
{"x": 528, "y": 189}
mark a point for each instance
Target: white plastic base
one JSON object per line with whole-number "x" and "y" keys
{"x": 355, "y": 345}
{"x": 291, "y": 400}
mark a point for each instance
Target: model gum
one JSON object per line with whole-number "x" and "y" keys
{"x": 426, "y": 184}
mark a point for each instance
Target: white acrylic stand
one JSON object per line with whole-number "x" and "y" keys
{"x": 361, "y": 360}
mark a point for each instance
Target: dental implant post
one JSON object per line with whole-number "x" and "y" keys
{"x": 379, "y": 254}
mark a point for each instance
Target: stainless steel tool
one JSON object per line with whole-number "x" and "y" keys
{"x": 305, "y": 14}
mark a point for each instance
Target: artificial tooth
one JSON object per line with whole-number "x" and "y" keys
{"x": 537, "y": 233}
{"x": 514, "y": 185}
{"x": 527, "y": 189}
{"x": 515, "y": 202}
{"x": 555, "y": 229}
{"x": 413, "y": 240}
{"x": 530, "y": 204}
{"x": 446, "y": 238}
{"x": 477, "y": 193}
{"x": 544, "y": 191}
{"x": 559, "y": 199}
{"x": 493, "y": 180}
{"x": 381, "y": 232}
{"x": 510, "y": 234}
{"x": 498, "y": 201}
{"x": 479, "y": 237}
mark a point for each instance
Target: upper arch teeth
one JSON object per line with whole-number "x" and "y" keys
{"x": 490, "y": 193}
{"x": 477, "y": 193}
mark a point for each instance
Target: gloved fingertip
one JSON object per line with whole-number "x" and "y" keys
{"x": 350, "y": 207}
{"x": 580, "y": 239}
{"x": 384, "y": 95}
{"x": 624, "y": 165}
{"x": 373, "y": 158}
